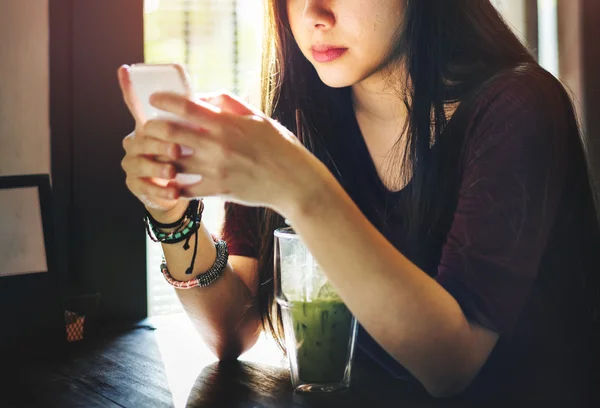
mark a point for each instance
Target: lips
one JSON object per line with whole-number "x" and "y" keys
{"x": 325, "y": 48}
{"x": 327, "y": 53}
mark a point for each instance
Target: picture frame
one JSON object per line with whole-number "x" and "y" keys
{"x": 31, "y": 309}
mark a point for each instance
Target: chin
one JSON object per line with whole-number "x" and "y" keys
{"x": 337, "y": 79}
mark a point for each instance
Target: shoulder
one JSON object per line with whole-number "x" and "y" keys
{"x": 522, "y": 90}
{"x": 526, "y": 107}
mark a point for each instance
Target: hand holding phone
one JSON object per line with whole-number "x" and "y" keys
{"x": 138, "y": 83}
{"x": 148, "y": 79}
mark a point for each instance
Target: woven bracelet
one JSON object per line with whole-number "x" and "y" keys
{"x": 204, "y": 279}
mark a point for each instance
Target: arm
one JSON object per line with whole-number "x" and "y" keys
{"x": 426, "y": 330}
{"x": 224, "y": 314}
{"x": 509, "y": 195}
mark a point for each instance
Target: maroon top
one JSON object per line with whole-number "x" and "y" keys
{"x": 510, "y": 247}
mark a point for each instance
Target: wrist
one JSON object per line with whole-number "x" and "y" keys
{"x": 172, "y": 215}
{"x": 311, "y": 195}
{"x": 180, "y": 230}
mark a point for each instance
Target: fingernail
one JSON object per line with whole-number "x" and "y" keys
{"x": 186, "y": 151}
{"x": 185, "y": 179}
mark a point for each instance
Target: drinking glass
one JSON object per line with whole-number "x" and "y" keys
{"x": 319, "y": 330}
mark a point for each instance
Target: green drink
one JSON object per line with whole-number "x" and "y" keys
{"x": 319, "y": 330}
{"x": 321, "y": 345}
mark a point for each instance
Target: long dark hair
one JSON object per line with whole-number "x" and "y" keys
{"x": 450, "y": 49}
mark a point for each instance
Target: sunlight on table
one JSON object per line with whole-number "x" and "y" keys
{"x": 182, "y": 369}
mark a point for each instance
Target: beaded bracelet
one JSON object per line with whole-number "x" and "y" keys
{"x": 204, "y": 279}
{"x": 194, "y": 214}
{"x": 184, "y": 227}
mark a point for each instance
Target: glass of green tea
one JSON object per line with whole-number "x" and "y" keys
{"x": 319, "y": 330}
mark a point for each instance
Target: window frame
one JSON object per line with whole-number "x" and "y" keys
{"x": 100, "y": 236}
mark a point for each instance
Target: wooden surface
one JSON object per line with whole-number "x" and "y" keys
{"x": 140, "y": 366}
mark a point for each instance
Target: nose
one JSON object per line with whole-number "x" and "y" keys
{"x": 316, "y": 14}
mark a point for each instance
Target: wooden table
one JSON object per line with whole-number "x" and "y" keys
{"x": 140, "y": 366}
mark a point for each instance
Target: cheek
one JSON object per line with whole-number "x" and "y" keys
{"x": 294, "y": 28}
{"x": 378, "y": 35}
{"x": 294, "y": 14}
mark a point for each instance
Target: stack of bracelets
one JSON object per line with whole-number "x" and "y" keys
{"x": 181, "y": 230}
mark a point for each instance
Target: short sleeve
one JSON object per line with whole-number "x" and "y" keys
{"x": 240, "y": 230}
{"x": 514, "y": 174}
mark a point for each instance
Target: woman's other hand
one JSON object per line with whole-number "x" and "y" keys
{"x": 148, "y": 163}
{"x": 241, "y": 154}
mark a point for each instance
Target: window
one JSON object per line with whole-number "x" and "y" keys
{"x": 548, "y": 35}
{"x": 219, "y": 41}
{"x": 514, "y": 13}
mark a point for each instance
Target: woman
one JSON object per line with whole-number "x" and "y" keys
{"x": 439, "y": 181}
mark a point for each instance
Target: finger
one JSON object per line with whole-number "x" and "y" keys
{"x": 131, "y": 100}
{"x": 146, "y": 188}
{"x": 202, "y": 166}
{"x": 140, "y": 166}
{"x": 151, "y": 146}
{"x": 204, "y": 188}
{"x": 206, "y": 96}
{"x": 156, "y": 149}
{"x": 197, "y": 112}
{"x": 128, "y": 141}
{"x": 174, "y": 132}
{"x": 214, "y": 161}
{"x": 230, "y": 103}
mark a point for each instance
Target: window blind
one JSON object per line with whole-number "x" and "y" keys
{"x": 219, "y": 42}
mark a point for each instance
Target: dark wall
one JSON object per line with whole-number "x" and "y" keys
{"x": 590, "y": 17}
{"x": 100, "y": 232}
{"x": 579, "y": 54}
{"x": 61, "y": 93}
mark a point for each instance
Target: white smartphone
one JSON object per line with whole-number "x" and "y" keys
{"x": 147, "y": 79}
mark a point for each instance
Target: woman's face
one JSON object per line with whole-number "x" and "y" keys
{"x": 345, "y": 40}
